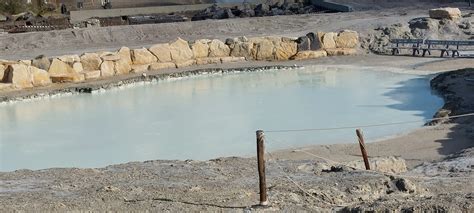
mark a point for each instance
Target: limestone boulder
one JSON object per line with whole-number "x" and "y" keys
{"x": 162, "y": 65}
{"x": 218, "y": 48}
{"x": 3, "y": 75}
{"x": 180, "y": 51}
{"x": 328, "y": 40}
{"x": 92, "y": 75}
{"x": 125, "y": 55}
{"x": 309, "y": 54}
{"x": 201, "y": 48}
{"x": 107, "y": 69}
{"x": 19, "y": 76}
{"x": 445, "y": 13}
{"x": 60, "y": 72}
{"x": 140, "y": 68}
{"x": 231, "y": 59}
{"x": 162, "y": 52}
{"x": 204, "y": 61}
{"x": 69, "y": 59}
{"x": 263, "y": 50}
{"x": 242, "y": 49}
{"x": 78, "y": 68}
{"x": 41, "y": 62}
{"x": 26, "y": 62}
{"x": 91, "y": 61}
{"x": 143, "y": 56}
{"x": 40, "y": 77}
{"x": 347, "y": 39}
{"x": 285, "y": 49}
{"x": 110, "y": 57}
{"x": 122, "y": 67}
{"x": 341, "y": 51}
{"x": 5, "y": 86}
{"x": 185, "y": 63}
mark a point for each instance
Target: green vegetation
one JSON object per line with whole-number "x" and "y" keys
{"x": 12, "y": 6}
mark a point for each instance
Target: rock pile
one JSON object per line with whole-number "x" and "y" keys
{"x": 443, "y": 23}
{"x": 271, "y": 8}
{"x": 43, "y": 71}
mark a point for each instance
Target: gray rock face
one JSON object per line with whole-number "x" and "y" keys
{"x": 41, "y": 62}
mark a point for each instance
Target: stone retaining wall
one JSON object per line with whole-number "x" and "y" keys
{"x": 43, "y": 71}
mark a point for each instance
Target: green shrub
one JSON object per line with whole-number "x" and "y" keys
{"x": 12, "y": 6}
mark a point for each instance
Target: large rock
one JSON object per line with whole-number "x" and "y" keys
{"x": 218, "y": 48}
{"x": 69, "y": 59}
{"x": 231, "y": 59}
{"x": 341, "y": 51}
{"x": 143, "y": 56}
{"x": 77, "y": 67}
{"x": 59, "y": 71}
{"x": 180, "y": 51}
{"x": 122, "y": 67}
{"x": 3, "y": 75}
{"x": 185, "y": 63}
{"x": 125, "y": 55}
{"x": 285, "y": 49}
{"x": 92, "y": 75}
{"x": 19, "y": 76}
{"x": 304, "y": 43}
{"x": 347, "y": 39}
{"x": 162, "y": 65}
{"x": 140, "y": 68}
{"x": 309, "y": 55}
{"x": 91, "y": 61}
{"x": 107, "y": 69}
{"x": 201, "y": 48}
{"x": 162, "y": 52}
{"x": 204, "y": 61}
{"x": 242, "y": 49}
{"x": 445, "y": 13}
{"x": 41, "y": 62}
{"x": 263, "y": 49}
{"x": 25, "y": 62}
{"x": 328, "y": 40}
{"x": 40, "y": 77}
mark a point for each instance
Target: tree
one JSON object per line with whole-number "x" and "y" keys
{"x": 12, "y": 6}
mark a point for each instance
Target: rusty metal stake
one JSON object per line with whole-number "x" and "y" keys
{"x": 261, "y": 167}
{"x": 360, "y": 135}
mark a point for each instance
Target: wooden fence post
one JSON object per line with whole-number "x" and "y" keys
{"x": 360, "y": 135}
{"x": 261, "y": 167}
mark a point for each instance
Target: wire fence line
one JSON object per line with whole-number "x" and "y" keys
{"x": 370, "y": 125}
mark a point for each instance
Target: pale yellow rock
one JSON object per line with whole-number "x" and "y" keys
{"x": 242, "y": 49}
{"x": 285, "y": 49}
{"x": 3, "y": 69}
{"x": 77, "y": 66}
{"x": 162, "y": 52}
{"x": 204, "y": 61}
{"x": 347, "y": 39}
{"x": 185, "y": 63}
{"x": 264, "y": 50}
{"x": 19, "y": 76}
{"x": 25, "y": 62}
{"x": 92, "y": 75}
{"x": 59, "y": 71}
{"x": 231, "y": 59}
{"x": 143, "y": 56}
{"x": 6, "y": 86}
{"x": 105, "y": 53}
{"x": 122, "y": 67}
{"x": 107, "y": 69}
{"x": 91, "y": 61}
{"x": 40, "y": 77}
{"x": 180, "y": 51}
{"x": 445, "y": 13}
{"x": 69, "y": 59}
{"x": 111, "y": 57}
{"x": 201, "y": 48}
{"x": 125, "y": 55}
{"x": 218, "y": 48}
{"x": 341, "y": 51}
{"x": 309, "y": 55}
{"x": 162, "y": 65}
{"x": 328, "y": 40}
{"x": 140, "y": 68}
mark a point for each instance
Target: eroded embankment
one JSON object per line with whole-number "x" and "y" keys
{"x": 197, "y": 185}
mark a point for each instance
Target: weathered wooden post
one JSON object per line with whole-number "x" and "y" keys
{"x": 360, "y": 135}
{"x": 261, "y": 167}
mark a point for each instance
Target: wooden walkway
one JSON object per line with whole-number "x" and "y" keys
{"x": 424, "y": 46}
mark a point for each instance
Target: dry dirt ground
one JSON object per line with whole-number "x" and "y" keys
{"x": 439, "y": 158}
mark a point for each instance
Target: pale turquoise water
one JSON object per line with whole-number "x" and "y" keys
{"x": 209, "y": 116}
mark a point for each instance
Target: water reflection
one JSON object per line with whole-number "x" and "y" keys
{"x": 208, "y": 116}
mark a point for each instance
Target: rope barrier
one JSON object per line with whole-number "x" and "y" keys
{"x": 369, "y": 125}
